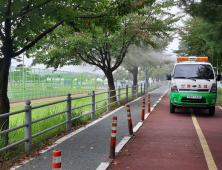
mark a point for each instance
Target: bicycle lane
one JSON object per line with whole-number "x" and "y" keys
{"x": 89, "y": 147}
{"x": 170, "y": 141}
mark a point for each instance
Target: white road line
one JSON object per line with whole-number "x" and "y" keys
{"x": 103, "y": 166}
{"x": 146, "y": 115}
{"x": 122, "y": 143}
{"x": 135, "y": 129}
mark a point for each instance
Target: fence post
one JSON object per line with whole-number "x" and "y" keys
{"x": 119, "y": 96}
{"x": 126, "y": 93}
{"x": 132, "y": 92}
{"x": 93, "y": 105}
{"x": 141, "y": 89}
{"x": 28, "y": 127}
{"x": 68, "y": 113}
{"x": 108, "y": 100}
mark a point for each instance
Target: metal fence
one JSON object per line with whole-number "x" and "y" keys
{"x": 34, "y": 83}
{"x": 121, "y": 94}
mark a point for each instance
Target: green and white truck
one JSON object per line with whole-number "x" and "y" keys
{"x": 193, "y": 84}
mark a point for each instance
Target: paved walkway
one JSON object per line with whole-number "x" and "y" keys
{"x": 190, "y": 139}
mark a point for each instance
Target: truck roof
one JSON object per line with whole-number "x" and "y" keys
{"x": 192, "y": 62}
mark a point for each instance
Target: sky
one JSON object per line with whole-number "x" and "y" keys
{"x": 87, "y": 68}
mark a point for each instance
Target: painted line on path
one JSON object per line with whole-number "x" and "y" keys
{"x": 208, "y": 156}
{"x": 122, "y": 143}
{"x": 103, "y": 165}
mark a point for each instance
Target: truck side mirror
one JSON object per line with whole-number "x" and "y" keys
{"x": 218, "y": 77}
{"x": 168, "y": 76}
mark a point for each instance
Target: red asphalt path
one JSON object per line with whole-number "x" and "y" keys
{"x": 170, "y": 141}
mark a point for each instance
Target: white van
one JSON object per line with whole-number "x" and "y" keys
{"x": 193, "y": 84}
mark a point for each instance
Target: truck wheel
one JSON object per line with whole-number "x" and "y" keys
{"x": 211, "y": 111}
{"x": 172, "y": 108}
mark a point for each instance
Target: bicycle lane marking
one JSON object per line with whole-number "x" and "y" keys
{"x": 207, "y": 153}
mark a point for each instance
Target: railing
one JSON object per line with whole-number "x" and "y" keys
{"x": 28, "y": 111}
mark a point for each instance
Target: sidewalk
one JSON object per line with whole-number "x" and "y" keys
{"x": 164, "y": 142}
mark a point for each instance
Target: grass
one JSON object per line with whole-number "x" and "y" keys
{"x": 219, "y": 96}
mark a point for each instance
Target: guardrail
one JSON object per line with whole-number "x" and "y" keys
{"x": 28, "y": 111}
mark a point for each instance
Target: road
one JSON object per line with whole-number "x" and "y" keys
{"x": 87, "y": 147}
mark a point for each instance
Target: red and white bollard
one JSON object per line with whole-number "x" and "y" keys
{"x": 149, "y": 103}
{"x": 143, "y": 110}
{"x": 113, "y": 138}
{"x": 129, "y": 119}
{"x": 56, "y": 160}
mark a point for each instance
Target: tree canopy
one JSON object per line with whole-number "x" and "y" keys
{"x": 208, "y": 14}
{"x": 107, "y": 49}
{"x": 23, "y": 24}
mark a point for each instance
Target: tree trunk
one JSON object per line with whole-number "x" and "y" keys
{"x": 134, "y": 72}
{"x": 110, "y": 79}
{"x": 4, "y": 101}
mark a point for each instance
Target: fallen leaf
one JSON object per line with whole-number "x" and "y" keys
{"x": 169, "y": 153}
{"x": 82, "y": 147}
{"x": 115, "y": 163}
{"x": 1, "y": 160}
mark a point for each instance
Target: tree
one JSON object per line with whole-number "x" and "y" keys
{"x": 146, "y": 56}
{"x": 164, "y": 67}
{"x": 122, "y": 74}
{"x": 209, "y": 10}
{"x": 107, "y": 49}
{"x": 208, "y": 13}
{"x": 24, "y": 23}
{"x": 194, "y": 42}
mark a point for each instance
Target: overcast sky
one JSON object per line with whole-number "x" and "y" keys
{"x": 88, "y": 68}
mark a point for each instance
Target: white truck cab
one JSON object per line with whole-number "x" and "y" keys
{"x": 193, "y": 84}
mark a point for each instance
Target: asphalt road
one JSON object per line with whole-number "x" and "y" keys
{"x": 88, "y": 148}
